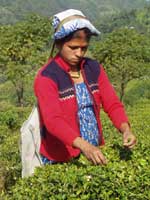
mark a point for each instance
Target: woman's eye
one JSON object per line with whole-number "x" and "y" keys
{"x": 84, "y": 48}
{"x": 73, "y": 48}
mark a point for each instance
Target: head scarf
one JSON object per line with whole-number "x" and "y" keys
{"x": 71, "y": 20}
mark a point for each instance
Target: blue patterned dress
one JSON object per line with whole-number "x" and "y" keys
{"x": 88, "y": 124}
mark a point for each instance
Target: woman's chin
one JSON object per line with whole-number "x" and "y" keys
{"x": 74, "y": 62}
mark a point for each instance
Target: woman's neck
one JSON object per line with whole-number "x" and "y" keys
{"x": 74, "y": 68}
{"x": 75, "y": 72}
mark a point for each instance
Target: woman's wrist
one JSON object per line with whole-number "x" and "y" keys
{"x": 125, "y": 127}
{"x": 77, "y": 143}
{"x": 80, "y": 143}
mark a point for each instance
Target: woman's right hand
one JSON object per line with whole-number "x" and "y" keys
{"x": 91, "y": 152}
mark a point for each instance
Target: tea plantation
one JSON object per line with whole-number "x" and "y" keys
{"x": 126, "y": 176}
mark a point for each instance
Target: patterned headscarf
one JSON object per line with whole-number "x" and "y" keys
{"x": 70, "y": 20}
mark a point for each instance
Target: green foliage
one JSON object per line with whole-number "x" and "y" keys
{"x": 4, "y": 133}
{"x": 137, "y": 18}
{"x": 143, "y": 19}
{"x": 12, "y": 11}
{"x": 125, "y": 55}
{"x": 23, "y": 48}
{"x": 126, "y": 176}
{"x": 11, "y": 116}
{"x": 25, "y": 45}
{"x": 137, "y": 90}
{"x": 11, "y": 119}
{"x": 3, "y": 175}
{"x": 10, "y": 165}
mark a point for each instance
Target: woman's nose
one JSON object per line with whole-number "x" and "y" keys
{"x": 79, "y": 52}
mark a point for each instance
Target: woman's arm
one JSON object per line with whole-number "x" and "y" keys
{"x": 50, "y": 109}
{"x": 115, "y": 109}
{"x": 91, "y": 152}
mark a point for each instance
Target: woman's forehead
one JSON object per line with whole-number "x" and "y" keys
{"x": 79, "y": 37}
{"x": 80, "y": 34}
{"x": 81, "y": 41}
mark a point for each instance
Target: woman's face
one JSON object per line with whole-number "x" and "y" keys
{"x": 73, "y": 50}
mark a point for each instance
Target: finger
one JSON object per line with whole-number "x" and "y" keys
{"x": 91, "y": 158}
{"x": 98, "y": 160}
{"x": 130, "y": 146}
{"x": 130, "y": 141}
{"x": 125, "y": 140}
{"x": 104, "y": 161}
{"x": 95, "y": 158}
{"x": 102, "y": 158}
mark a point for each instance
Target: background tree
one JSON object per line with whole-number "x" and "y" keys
{"x": 136, "y": 18}
{"x": 125, "y": 55}
{"x": 22, "y": 50}
{"x": 12, "y": 11}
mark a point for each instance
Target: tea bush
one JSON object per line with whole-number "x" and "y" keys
{"x": 125, "y": 177}
{"x": 10, "y": 163}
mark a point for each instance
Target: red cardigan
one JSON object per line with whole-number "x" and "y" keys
{"x": 57, "y": 103}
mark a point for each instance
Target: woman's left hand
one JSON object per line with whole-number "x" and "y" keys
{"x": 129, "y": 139}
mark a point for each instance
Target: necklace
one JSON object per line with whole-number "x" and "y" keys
{"x": 76, "y": 74}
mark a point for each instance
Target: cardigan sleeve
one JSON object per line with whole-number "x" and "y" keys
{"x": 110, "y": 101}
{"x": 50, "y": 110}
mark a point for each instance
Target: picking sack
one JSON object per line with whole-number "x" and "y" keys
{"x": 30, "y": 143}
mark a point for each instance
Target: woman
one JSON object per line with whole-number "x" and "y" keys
{"x": 70, "y": 90}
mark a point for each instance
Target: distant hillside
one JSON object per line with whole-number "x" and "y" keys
{"x": 13, "y": 10}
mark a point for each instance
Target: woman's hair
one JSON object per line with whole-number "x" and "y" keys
{"x": 74, "y": 35}
{"x": 71, "y": 36}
